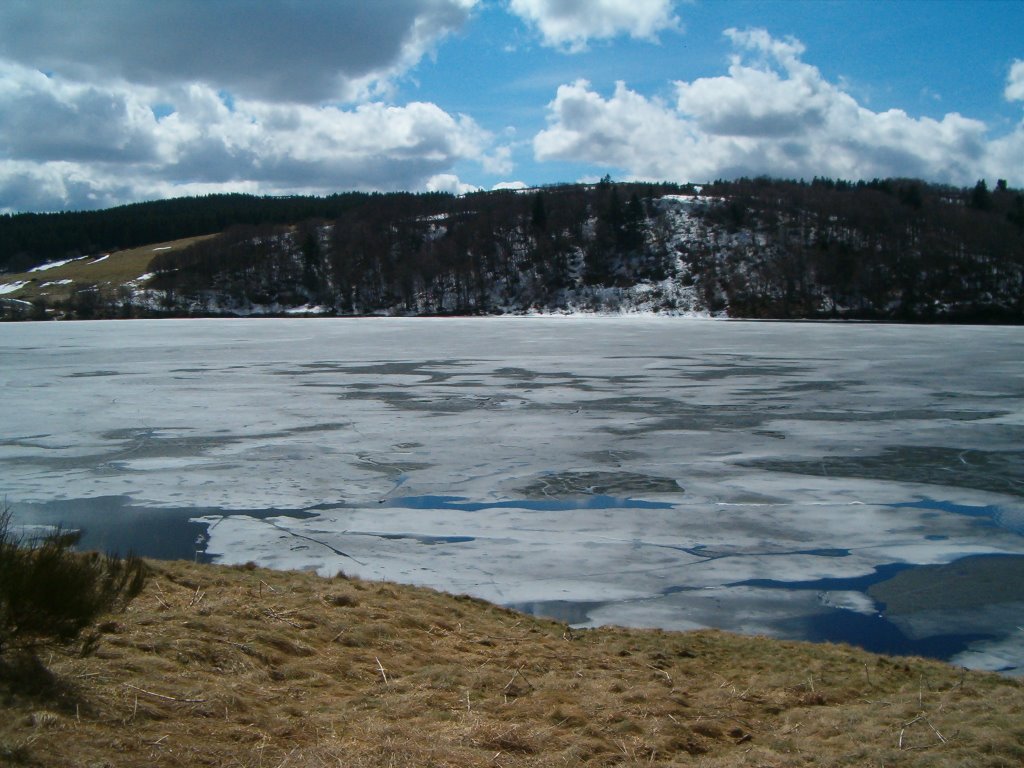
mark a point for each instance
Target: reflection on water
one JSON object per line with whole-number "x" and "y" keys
{"x": 875, "y": 633}
{"x": 846, "y": 584}
{"x": 113, "y": 524}
{"x": 569, "y": 611}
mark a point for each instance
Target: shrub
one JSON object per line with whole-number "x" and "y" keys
{"x": 49, "y": 593}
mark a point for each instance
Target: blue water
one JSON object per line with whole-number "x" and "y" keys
{"x": 875, "y": 633}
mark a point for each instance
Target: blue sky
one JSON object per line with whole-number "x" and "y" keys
{"x": 111, "y": 101}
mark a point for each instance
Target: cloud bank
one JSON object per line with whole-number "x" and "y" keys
{"x": 771, "y": 114}
{"x": 111, "y": 101}
{"x": 66, "y": 144}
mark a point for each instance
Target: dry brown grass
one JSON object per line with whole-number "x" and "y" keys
{"x": 248, "y": 667}
{"x": 119, "y": 268}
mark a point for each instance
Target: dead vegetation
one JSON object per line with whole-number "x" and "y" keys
{"x": 248, "y": 667}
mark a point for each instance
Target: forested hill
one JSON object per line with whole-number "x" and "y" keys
{"x": 886, "y": 249}
{"x": 29, "y": 239}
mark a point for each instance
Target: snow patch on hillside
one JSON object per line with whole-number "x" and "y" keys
{"x": 55, "y": 264}
{"x": 12, "y": 287}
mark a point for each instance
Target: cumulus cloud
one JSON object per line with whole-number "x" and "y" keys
{"x": 278, "y": 50}
{"x": 571, "y": 24}
{"x": 67, "y": 145}
{"x": 771, "y": 114}
{"x": 1015, "y": 82}
{"x": 510, "y": 185}
{"x": 626, "y": 131}
{"x": 449, "y": 182}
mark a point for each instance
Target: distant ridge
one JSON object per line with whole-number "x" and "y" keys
{"x": 894, "y": 249}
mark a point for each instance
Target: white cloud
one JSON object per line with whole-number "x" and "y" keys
{"x": 1015, "y": 82}
{"x": 759, "y": 100}
{"x": 513, "y": 185}
{"x": 88, "y": 146}
{"x": 771, "y": 114}
{"x": 499, "y": 161}
{"x": 626, "y": 131}
{"x": 311, "y": 51}
{"x": 571, "y": 24}
{"x": 449, "y": 182}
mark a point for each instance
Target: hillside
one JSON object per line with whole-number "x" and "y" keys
{"x": 242, "y": 666}
{"x": 882, "y": 250}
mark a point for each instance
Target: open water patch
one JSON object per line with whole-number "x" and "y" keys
{"x": 875, "y": 633}
{"x": 902, "y": 592}
{"x": 572, "y": 612}
{"x": 115, "y": 524}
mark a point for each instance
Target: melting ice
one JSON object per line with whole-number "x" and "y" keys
{"x": 758, "y": 477}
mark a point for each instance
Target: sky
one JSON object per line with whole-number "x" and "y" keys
{"x": 105, "y": 102}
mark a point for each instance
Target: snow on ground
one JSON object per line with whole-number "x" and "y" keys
{"x": 55, "y": 264}
{"x": 12, "y": 287}
{"x": 637, "y": 470}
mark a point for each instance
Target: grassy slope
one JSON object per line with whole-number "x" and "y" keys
{"x": 118, "y": 269}
{"x": 247, "y": 667}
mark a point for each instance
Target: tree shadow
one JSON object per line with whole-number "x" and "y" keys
{"x": 24, "y": 679}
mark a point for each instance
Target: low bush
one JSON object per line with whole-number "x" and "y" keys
{"x": 50, "y": 593}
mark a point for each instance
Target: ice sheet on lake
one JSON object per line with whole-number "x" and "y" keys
{"x": 697, "y": 454}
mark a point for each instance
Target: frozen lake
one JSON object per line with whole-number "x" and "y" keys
{"x": 862, "y": 483}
